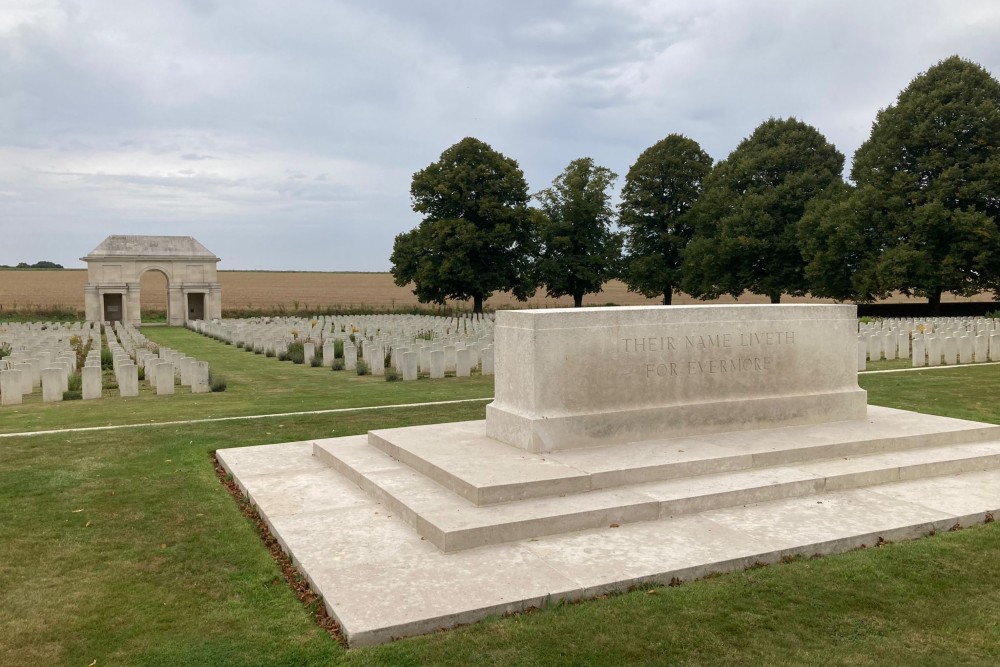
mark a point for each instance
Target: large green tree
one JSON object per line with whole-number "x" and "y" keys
{"x": 746, "y": 221}
{"x": 579, "y": 251}
{"x": 476, "y": 234}
{"x": 841, "y": 244}
{"x": 659, "y": 190}
{"x": 929, "y": 179}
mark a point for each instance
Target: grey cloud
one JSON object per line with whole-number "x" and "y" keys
{"x": 240, "y": 123}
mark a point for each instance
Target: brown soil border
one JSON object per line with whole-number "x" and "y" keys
{"x": 299, "y": 585}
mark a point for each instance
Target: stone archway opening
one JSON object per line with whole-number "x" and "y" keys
{"x": 175, "y": 275}
{"x": 154, "y": 295}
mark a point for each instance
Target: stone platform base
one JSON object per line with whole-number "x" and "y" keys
{"x": 408, "y": 530}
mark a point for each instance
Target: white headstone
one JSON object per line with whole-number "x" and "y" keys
{"x": 437, "y": 364}
{"x": 199, "y": 378}
{"x": 11, "y": 387}
{"x": 163, "y": 378}
{"x": 919, "y": 357}
{"x": 409, "y": 364}
{"x": 90, "y": 377}
{"x": 52, "y": 385}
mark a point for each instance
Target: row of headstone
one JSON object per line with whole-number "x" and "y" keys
{"x": 930, "y": 342}
{"x": 163, "y": 367}
{"x": 439, "y": 345}
{"x": 931, "y": 325}
{"x": 41, "y": 357}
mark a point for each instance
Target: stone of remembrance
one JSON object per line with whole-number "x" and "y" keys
{"x": 623, "y": 446}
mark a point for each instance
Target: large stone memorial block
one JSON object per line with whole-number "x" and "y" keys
{"x": 594, "y": 376}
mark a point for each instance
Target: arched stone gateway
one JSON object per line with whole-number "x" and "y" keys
{"x": 115, "y": 267}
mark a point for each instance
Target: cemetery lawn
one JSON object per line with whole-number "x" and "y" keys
{"x": 122, "y": 548}
{"x": 256, "y": 385}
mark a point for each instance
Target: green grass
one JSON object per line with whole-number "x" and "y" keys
{"x": 883, "y": 365}
{"x": 966, "y": 392}
{"x": 121, "y": 547}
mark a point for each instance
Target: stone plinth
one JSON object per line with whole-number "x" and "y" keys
{"x": 594, "y": 376}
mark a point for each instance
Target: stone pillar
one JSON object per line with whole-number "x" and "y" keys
{"x": 213, "y": 302}
{"x": 92, "y": 303}
{"x": 175, "y": 306}
{"x": 132, "y": 308}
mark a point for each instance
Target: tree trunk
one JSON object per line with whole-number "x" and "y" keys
{"x": 935, "y": 303}
{"x": 578, "y": 300}
{"x": 776, "y": 298}
{"x": 668, "y": 296}
{"x": 477, "y": 304}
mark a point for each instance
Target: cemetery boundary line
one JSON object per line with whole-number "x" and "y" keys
{"x": 235, "y": 418}
{"x": 930, "y": 368}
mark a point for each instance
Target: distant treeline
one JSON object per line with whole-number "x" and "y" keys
{"x": 36, "y": 265}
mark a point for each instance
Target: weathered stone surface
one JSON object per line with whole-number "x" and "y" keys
{"x": 91, "y": 381}
{"x": 11, "y": 387}
{"x": 128, "y": 380}
{"x": 199, "y": 378}
{"x": 52, "y": 385}
{"x": 163, "y": 377}
{"x": 651, "y": 371}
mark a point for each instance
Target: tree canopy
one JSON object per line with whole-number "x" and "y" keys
{"x": 578, "y": 250}
{"x": 746, "y": 221}
{"x": 659, "y": 190}
{"x": 929, "y": 179}
{"x": 475, "y": 237}
{"x": 44, "y": 264}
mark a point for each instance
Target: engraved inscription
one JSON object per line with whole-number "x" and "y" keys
{"x": 669, "y": 356}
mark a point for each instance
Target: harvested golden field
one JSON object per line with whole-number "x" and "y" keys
{"x": 27, "y": 290}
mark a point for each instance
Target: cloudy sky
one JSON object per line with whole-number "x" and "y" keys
{"x": 283, "y": 135}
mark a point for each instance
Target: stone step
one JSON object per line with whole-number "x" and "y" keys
{"x": 381, "y": 580}
{"x": 453, "y": 523}
{"x": 484, "y": 471}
